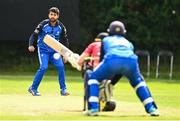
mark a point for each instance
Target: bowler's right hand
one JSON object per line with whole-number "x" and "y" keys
{"x": 31, "y": 48}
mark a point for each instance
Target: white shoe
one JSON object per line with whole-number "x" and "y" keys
{"x": 153, "y": 111}
{"x": 92, "y": 112}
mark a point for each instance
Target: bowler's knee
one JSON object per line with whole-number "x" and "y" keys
{"x": 43, "y": 68}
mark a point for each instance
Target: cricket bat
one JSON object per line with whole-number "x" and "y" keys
{"x": 62, "y": 50}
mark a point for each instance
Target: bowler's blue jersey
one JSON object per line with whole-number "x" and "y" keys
{"x": 58, "y": 32}
{"x": 117, "y": 46}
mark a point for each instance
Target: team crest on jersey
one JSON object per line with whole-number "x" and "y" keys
{"x": 123, "y": 42}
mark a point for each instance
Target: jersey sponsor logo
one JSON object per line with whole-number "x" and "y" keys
{"x": 122, "y": 43}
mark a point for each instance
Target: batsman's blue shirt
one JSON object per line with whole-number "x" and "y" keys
{"x": 117, "y": 46}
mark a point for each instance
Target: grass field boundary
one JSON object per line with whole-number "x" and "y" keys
{"x": 89, "y": 120}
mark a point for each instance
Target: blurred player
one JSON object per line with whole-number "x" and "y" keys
{"x": 93, "y": 51}
{"x": 119, "y": 58}
{"x": 56, "y": 29}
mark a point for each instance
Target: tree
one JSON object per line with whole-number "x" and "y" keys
{"x": 151, "y": 24}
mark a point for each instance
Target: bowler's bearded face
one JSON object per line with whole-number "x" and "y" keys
{"x": 53, "y": 17}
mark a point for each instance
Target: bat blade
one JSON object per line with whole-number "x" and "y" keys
{"x": 61, "y": 49}
{"x": 57, "y": 46}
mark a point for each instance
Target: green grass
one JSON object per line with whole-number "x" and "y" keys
{"x": 17, "y": 104}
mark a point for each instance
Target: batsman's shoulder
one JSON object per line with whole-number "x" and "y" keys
{"x": 105, "y": 39}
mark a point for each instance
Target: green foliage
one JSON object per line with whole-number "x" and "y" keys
{"x": 151, "y": 25}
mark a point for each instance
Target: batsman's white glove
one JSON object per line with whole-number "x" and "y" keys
{"x": 73, "y": 60}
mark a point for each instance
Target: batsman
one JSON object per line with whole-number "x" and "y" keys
{"x": 53, "y": 27}
{"x": 89, "y": 60}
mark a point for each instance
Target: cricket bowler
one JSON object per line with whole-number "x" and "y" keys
{"x": 119, "y": 58}
{"x": 53, "y": 27}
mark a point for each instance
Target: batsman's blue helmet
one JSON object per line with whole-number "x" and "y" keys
{"x": 116, "y": 28}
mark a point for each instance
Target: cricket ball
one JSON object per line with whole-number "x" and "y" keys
{"x": 56, "y": 56}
